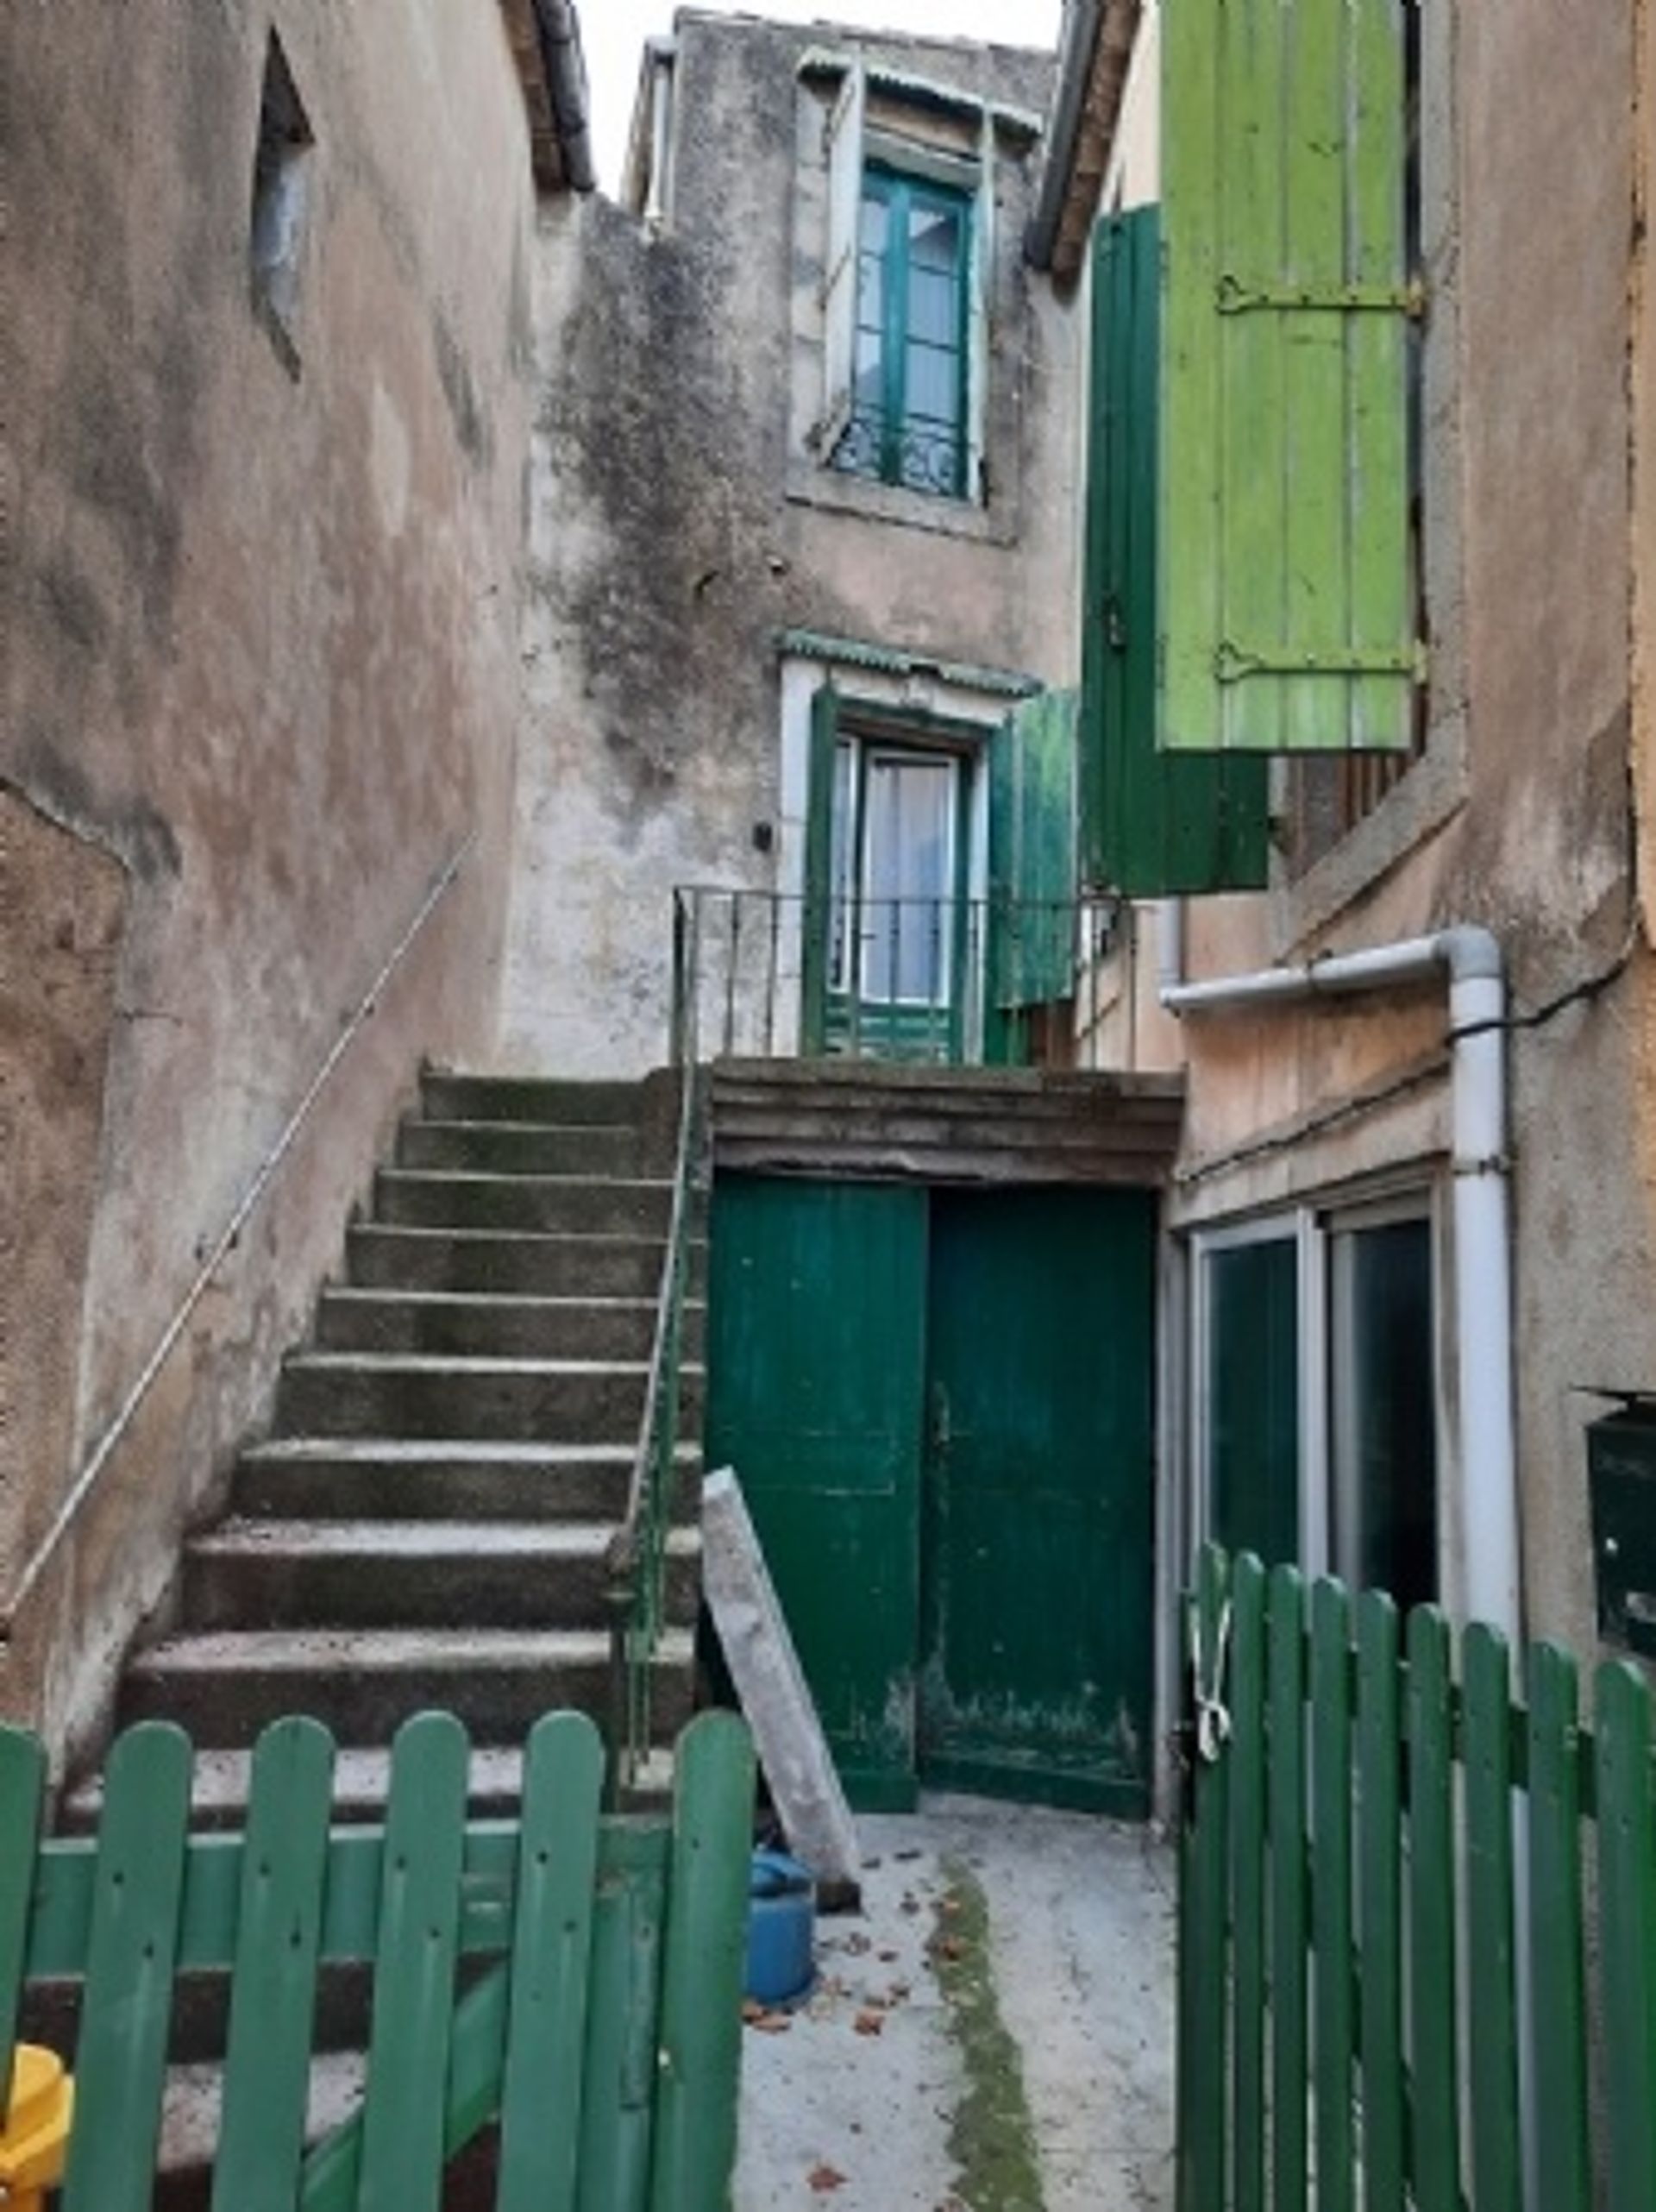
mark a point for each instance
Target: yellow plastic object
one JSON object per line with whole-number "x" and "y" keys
{"x": 36, "y": 2135}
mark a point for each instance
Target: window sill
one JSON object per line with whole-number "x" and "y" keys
{"x": 838, "y": 494}
{"x": 1427, "y": 798}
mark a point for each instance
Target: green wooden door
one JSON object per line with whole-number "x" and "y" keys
{"x": 816, "y": 1359}
{"x": 1038, "y": 1506}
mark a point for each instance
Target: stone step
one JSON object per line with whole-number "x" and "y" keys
{"x": 569, "y": 1204}
{"x": 363, "y": 1683}
{"x": 219, "y": 1784}
{"x": 427, "y": 1394}
{"x": 190, "y": 2113}
{"x": 452, "y": 1094}
{"x": 483, "y": 1323}
{"x": 522, "y": 1148}
{"x": 379, "y": 1256}
{"x": 401, "y": 1478}
{"x": 403, "y": 1574}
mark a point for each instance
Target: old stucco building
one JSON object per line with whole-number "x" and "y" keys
{"x": 1343, "y": 1386}
{"x": 268, "y": 390}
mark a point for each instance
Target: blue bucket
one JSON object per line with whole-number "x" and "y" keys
{"x": 781, "y": 1923}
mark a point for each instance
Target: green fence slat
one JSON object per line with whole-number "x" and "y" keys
{"x": 22, "y": 1793}
{"x": 1289, "y": 1927}
{"x": 1436, "y": 2135}
{"x": 557, "y": 1860}
{"x": 618, "y": 2103}
{"x": 700, "y": 2063}
{"x": 1249, "y": 1987}
{"x": 1380, "y": 1901}
{"x": 1492, "y": 2051}
{"x": 1204, "y": 1986}
{"x": 1331, "y": 1893}
{"x": 127, "y": 2004}
{"x": 1558, "y": 1965}
{"x": 414, "y": 1972}
{"x": 1627, "y": 1873}
{"x": 272, "y": 1994}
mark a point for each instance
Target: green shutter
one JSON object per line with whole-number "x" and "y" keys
{"x": 1286, "y": 607}
{"x": 1152, "y": 824}
{"x": 1032, "y": 853}
{"x": 819, "y": 861}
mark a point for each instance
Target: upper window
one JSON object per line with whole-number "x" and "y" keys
{"x": 909, "y": 377}
{"x": 905, "y": 288}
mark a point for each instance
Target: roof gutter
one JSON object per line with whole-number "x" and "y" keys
{"x": 558, "y": 29}
{"x": 1077, "y": 46}
{"x": 1469, "y": 959}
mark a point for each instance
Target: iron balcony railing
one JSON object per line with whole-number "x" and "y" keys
{"x": 960, "y": 982}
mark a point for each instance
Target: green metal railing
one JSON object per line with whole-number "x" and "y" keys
{"x": 1391, "y": 1991}
{"x": 575, "y": 1980}
{"x": 637, "y": 1555}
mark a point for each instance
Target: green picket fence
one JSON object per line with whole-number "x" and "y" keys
{"x": 573, "y": 1979}
{"x": 1385, "y": 1949}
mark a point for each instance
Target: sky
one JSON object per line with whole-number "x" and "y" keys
{"x": 612, "y": 33}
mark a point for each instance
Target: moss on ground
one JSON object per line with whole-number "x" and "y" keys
{"x": 992, "y": 2139}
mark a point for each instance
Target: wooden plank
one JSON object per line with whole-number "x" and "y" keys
{"x": 126, "y": 2007}
{"x": 623, "y": 2010}
{"x": 1379, "y": 1737}
{"x": 1556, "y": 1923}
{"x": 1289, "y": 1930}
{"x": 273, "y": 1996}
{"x": 700, "y": 2042}
{"x": 1432, "y": 1917}
{"x": 1334, "y": 2034}
{"x": 23, "y": 1794}
{"x": 1492, "y": 2051}
{"x": 414, "y": 1973}
{"x": 1248, "y": 1825}
{"x": 1627, "y": 1875}
{"x": 541, "y": 2091}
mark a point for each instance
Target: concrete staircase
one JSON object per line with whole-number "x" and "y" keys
{"x": 426, "y": 1524}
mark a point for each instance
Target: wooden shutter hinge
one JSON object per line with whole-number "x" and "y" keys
{"x": 1233, "y": 662}
{"x": 1235, "y": 297}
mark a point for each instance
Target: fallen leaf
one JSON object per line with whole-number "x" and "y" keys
{"x": 773, "y": 2023}
{"x": 823, "y": 2177}
{"x": 752, "y": 2009}
{"x": 886, "y": 1957}
{"x": 869, "y": 2022}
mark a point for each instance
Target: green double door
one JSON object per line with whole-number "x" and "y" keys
{"x": 939, "y": 1404}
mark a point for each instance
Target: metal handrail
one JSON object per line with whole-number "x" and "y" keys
{"x": 636, "y": 1558}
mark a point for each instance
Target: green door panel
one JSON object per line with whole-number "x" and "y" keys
{"x": 1039, "y": 1499}
{"x": 816, "y": 1357}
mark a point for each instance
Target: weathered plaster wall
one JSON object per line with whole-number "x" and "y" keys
{"x": 1528, "y": 481}
{"x": 261, "y": 686}
{"x": 667, "y": 552}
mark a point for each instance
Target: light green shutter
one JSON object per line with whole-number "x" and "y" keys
{"x": 1153, "y": 824}
{"x": 1032, "y": 853}
{"x": 1286, "y": 602}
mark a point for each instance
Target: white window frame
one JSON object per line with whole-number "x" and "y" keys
{"x": 1311, "y": 1228}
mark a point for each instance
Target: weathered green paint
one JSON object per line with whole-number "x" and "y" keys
{"x": 120, "y": 2060}
{"x": 1491, "y": 1958}
{"x": 273, "y": 1995}
{"x": 1331, "y": 1897}
{"x": 1039, "y": 1495}
{"x": 698, "y": 2061}
{"x": 816, "y": 1351}
{"x": 1032, "y": 923}
{"x": 22, "y": 1795}
{"x": 1247, "y": 1849}
{"x": 1434, "y": 2071}
{"x": 1557, "y": 1927}
{"x": 1152, "y": 823}
{"x": 557, "y": 1863}
{"x": 1290, "y": 1925}
{"x": 1627, "y": 1889}
{"x": 1285, "y": 609}
{"x": 1380, "y": 1959}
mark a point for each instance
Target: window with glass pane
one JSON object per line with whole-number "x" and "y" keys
{"x": 1253, "y": 1397}
{"x": 908, "y": 415}
{"x": 907, "y": 870}
{"x": 1384, "y": 1502}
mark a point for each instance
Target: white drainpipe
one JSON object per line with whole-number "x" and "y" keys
{"x": 1470, "y": 957}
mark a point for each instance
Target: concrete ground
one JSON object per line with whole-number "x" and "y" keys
{"x": 993, "y": 2033}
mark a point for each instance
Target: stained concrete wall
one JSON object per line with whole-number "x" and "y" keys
{"x": 261, "y": 687}
{"x": 1520, "y": 814}
{"x": 677, "y": 527}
